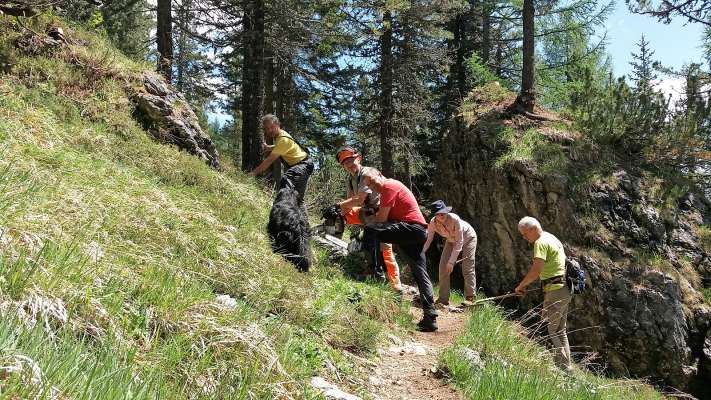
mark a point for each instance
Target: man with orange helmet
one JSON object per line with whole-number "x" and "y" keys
{"x": 362, "y": 204}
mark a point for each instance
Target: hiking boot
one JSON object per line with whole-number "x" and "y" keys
{"x": 427, "y": 324}
{"x": 439, "y": 301}
{"x": 379, "y": 272}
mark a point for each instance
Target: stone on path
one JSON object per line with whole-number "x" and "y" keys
{"x": 331, "y": 391}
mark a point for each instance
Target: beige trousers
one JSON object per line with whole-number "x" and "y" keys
{"x": 467, "y": 261}
{"x": 555, "y": 312}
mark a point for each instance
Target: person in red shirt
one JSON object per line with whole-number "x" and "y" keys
{"x": 400, "y": 221}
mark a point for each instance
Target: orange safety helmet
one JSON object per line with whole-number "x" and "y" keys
{"x": 346, "y": 153}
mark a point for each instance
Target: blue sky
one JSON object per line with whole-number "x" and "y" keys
{"x": 674, "y": 44}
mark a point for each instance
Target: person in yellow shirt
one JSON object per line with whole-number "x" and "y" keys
{"x": 549, "y": 266}
{"x": 295, "y": 158}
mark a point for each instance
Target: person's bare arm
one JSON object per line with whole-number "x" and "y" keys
{"x": 264, "y": 164}
{"x": 353, "y": 201}
{"x": 382, "y": 214}
{"x": 267, "y": 148}
{"x": 531, "y": 276}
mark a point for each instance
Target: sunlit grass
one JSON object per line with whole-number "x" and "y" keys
{"x": 121, "y": 246}
{"x": 514, "y": 367}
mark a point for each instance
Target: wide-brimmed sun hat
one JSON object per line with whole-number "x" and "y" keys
{"x": 438, "y": 207}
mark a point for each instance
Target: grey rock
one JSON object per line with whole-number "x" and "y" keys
{"x": 649, "y": 218}
{"x": 375, "y": 381}
{"x": 167, "y": 115}
{"x": 331, "y": 391}
{"x": 472, "y": 358}
{"x": 626, "y": 182}
{"x": 642, "y": 322}
{"x": 706, "y": 358}
{"x": 556, "y": 183}
{"x": 684, "y": 238}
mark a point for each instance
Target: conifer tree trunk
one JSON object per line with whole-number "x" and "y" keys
{"x": 164, "y": 33}
{"x": 499, "y": 56}
{"x": 285, "y": 98}
{"x": 252, "y": 82}
{"x": 180, "y": 58}
{"x": 269, "y": 103}
{"x": 461, "y": 70}
{"x": 527, "y": 98}
{"x": 485, "y": 50}
{"x": 386, "y": 96}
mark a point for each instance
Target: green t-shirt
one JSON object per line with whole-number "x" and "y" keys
{"x": 549, "y": 249}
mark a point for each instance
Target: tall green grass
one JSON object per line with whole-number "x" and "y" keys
{"x": 531, "y": 146}
{"x": 515, "y": 367}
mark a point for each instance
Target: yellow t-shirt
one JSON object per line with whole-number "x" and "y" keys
{"x": 288, "y": 149}
{"x": 549, "y": 249}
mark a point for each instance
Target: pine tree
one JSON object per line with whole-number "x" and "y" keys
{"x": 697, "y": 11}
{"x": 164, "y": 38}
{"x": 643, "y": 67}
{"x": 128, "y": 24}
{"x": 567, "y": 49}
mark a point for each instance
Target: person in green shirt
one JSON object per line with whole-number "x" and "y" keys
{"x": 296, "y": 159}
{"x": 549, "y": 266}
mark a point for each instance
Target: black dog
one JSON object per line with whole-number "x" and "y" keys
{"x": 289, "y": 229}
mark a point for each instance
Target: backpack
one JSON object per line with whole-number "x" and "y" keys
{"x": 574, "y": 276}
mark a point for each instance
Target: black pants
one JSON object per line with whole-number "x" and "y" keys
{"x": 297, "y": 176}
{"x": 410, "y": 238}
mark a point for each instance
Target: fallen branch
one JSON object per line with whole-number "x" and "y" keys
{"x": 537, "y": 117}
{"x": 25, "y": 8}
{"x": 18, "y": 11}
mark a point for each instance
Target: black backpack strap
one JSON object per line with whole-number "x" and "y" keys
{"x": 302, "y": 147}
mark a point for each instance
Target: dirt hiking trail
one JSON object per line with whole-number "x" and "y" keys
{"x": 406, "y": 369}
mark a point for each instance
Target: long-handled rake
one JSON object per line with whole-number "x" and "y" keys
{"x": 500, "y": 297}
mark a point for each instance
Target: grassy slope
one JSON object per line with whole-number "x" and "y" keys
{"x": 135, "y": 240}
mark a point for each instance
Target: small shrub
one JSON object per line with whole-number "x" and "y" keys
{"x": 704, "y": 233}
{"x": 532, "y": 147}
{"x": 707, "y": 295}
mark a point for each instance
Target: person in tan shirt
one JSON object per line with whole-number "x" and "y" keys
{"x": 461, "y": 244}
{"x": 362, "y": 204}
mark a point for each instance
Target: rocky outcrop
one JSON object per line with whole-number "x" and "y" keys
{"x": 162, "y": 110}
{"x": 642, "y": 323}
{"x": 167, "y": 115}
{"x": 642, "y": 313}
